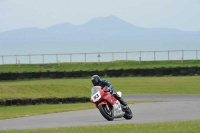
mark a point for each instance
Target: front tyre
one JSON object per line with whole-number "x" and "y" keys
{"x": 128, "y": 114}
{"x": 107, "y": 111}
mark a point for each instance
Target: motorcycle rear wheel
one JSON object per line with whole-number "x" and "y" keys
{"x": 106, "y": 112}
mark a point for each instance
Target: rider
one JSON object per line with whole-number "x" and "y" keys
{"x": 98, "y": 82}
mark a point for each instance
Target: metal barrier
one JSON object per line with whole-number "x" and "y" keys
{"x": 100, "y": 57}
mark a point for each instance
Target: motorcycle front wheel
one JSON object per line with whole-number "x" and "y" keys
{"x": 107, "y": 111}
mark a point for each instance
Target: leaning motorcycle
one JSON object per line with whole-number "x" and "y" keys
{"x": 108, "y": 105}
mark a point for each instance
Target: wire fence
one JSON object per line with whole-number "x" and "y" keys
{"x": 101, "y": 57}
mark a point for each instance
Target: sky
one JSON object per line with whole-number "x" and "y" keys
{"x": 177, "y": 14}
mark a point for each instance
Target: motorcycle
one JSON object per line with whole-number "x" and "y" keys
{"x": 108, "y": 105}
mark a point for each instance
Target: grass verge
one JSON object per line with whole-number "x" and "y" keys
{"x": 161, "y": 127}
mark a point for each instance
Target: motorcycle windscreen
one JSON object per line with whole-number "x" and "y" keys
{"x": 95, "y": 94}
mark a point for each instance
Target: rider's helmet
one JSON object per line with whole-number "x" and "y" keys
{"x": 95, "y": 80}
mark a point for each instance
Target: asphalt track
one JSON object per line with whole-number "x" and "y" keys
{"x": 178, "y": 107}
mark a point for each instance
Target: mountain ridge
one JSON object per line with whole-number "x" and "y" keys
{"x": 99, "y": 34}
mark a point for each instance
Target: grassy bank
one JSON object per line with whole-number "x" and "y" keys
{"x": 161, "y": 127}
{"x": 81, "y": 86}
{"x": 96, "y": 66}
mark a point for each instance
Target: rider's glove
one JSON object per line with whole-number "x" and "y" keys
{"x": 111, "y": 91}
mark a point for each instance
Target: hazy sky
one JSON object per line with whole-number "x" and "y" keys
{"x": 179, "y": 14}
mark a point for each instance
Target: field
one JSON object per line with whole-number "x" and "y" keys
{"x": 68, "y": 87}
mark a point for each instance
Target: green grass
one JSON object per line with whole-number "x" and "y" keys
{"x": 81, "y": 86}
{"x": 30, "y": 110}
{"x": 161, "y": 127}
{"x": 96, "y": 66}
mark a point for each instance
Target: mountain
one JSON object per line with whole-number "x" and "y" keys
{"x": 104, "y": 31}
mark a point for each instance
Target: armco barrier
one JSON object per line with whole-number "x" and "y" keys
{"x": 85, "y": 73}
{"x": 13, "y": 76}
{"x": 126, "y": 72}
{"x": 117, "y": 73}
{"x": 111, "y": 73}
{"x": 175, "y": 71}
{"x": 151, "y": 72}
{"x": 52, "y": 74}
{"x": 69, "y": 74}
{"x": 29, "y": 75}
{"x": 21, "y": 75}
{"x": 192, "y": 70}
{"x": 198, "y": 70}
{"x": 60, "y": 75}
{"x": 5, "y": 76}
{"x": 29, "y": 101}
{"x": 36, "y": 74}
{"x": 93, "y": 72}
{"x": 44, "y": 74}
{"x": 143, "y": 72}
{"x": 77, "y": 74}
{"x": 167, "y": 71}
{"x": 101, "y": 72}
{"x": 135, "y": 72}
{"x": 159, "y": 71}
{"x": 184, "y": 71}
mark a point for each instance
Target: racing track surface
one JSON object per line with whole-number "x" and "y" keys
{"x": 178, "y": 107}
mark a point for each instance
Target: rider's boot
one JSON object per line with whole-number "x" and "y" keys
{"x": 124, "y": 107}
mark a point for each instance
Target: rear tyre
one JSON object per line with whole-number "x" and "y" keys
{"x": 107, "y": 111}
{"x": 128, "y": 114}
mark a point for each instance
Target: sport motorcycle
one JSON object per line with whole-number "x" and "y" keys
{"x": 108, "y": 105}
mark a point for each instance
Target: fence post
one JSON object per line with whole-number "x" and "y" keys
{"x": 70, "y": 57}
{"x": 126, "y": 56}
{"x": 154, "y": 55}
{"x": 112, "y": 57}
{"x": 2, "y": 60}
{"x": 85, "y": 57}
{"x": 16, "y": 59}
{"x": 18, "y": 63}
{"x": 29, "y": 59}
{"x": 140, "y": 57}
{"x": 139, "y": 60}
{"x": 43, "y": 58}
{"x": 57, "y": 58}
{"x": 182, "y": 55}
{"x": 58, "y": 62}
{"x": 99, "y": 58}
{"x": 168, "y": 55}
{"x": 197, "y": 55}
